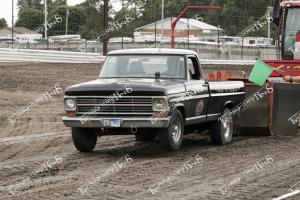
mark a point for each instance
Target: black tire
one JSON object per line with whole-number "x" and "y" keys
{"x": 221, "y": 132}
{"x": 171, "y": 138}
{"x": 145, "y": 135}
{"x": 236, "y": 124}
{"x": 84, "y": 139}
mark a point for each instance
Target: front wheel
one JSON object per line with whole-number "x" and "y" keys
{"x": 172, "y": 137}
{"x": 221, "y": 131}
{"x": 84, "y": 139}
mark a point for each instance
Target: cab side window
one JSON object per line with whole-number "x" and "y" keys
{"x": 193, "y": 68}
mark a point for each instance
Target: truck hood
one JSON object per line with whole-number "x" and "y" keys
{"x": 140, "y": 87}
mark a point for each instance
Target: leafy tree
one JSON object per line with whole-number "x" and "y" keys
{"x": 93, "y": 24}
{"x": 127, "y": 18}
{"x": 30, "y": 18}
{"x": 36, "y": 4}
{"x": 87, "y": 18}
{"x": 3, "y": 23}
{"x": 58, "y": 3}
{"x": 76, "y": 19}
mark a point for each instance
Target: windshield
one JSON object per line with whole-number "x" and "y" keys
{"x": 143, "y": 66}
{"x": 291, "y": 29}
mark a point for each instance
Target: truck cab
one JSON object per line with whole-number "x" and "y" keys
{"x": 286, "y": 16}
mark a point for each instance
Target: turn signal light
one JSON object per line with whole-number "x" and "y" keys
{"x": 71, "y": 113}
{"x": 297, "y": 39}
{"x": 160, "y": 114}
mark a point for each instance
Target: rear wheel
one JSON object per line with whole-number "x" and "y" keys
{"x": 236, "y": 124}
{"x": 84, "y": 139}
{"x": 221, "y": 131}
{"x": 145, "y": 135}
{"x": 172, "y": 137}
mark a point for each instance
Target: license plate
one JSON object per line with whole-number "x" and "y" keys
{"x": 112, "y": 122}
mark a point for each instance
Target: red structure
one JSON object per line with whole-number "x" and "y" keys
{"x": 185, "y": 11}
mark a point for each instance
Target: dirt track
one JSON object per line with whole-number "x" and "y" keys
{"x": 39, "y": 135}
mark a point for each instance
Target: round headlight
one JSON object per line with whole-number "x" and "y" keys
{"x": 70, "y": 103}
{"x": 159, "y": 103}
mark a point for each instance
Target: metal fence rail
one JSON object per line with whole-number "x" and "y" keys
{"x": 25, "y": 55}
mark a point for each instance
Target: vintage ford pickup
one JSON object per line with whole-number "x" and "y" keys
{"x": 154, "y": 94}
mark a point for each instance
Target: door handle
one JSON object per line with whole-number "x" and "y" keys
{"x": 204, "y": 85}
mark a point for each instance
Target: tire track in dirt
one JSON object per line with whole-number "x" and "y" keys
{"x": 140, "y": 174}
{"x": 31, "y": 138}
{"x": 24, "y": 151}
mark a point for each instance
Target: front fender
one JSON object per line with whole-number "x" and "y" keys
{"x": 180, "y": 107}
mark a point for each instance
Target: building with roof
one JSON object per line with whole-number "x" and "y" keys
{"x": 190, "y": 29}
{"x": 21, "y": 35}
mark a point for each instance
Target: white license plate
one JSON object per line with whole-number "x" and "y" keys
{"x": 112, "y": 122}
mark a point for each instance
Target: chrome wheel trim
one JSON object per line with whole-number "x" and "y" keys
{"x": 226, "y": 127}
{"x": 176, "y": 130}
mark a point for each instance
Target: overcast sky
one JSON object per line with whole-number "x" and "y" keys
{"x": 6, "y": 11}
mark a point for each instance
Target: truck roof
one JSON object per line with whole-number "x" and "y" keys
{"x": 154, "y": 51}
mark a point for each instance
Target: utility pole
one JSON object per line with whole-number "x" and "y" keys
{"x": 105, "y": 22}
{"x": 242, "y": 48}
{"x": 219, "y": 40}
{"x": 12, "y": 23}
{"x": 46, "y": 16}
{"x": 188, "y": 33}
{"x": 67, "y": 17}
{"x": 162, "y": 19}
{"x": 155, "y": 32}
{"x": 269, "y": 29}
{"x": 269, "y": 21}
{"x": 123, "y": 33}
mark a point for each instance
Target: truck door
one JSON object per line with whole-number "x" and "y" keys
{"x": 198, "y": 92}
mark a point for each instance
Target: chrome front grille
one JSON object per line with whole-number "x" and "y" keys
{"x": 124, "y": 106}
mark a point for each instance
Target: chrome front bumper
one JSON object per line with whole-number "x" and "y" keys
{"x": 97, "y": 122}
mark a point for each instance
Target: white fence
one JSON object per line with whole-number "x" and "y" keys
{"x": 205, "y": 51}
{"x": 24, "y": 55}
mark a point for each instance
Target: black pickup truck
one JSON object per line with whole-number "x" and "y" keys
{"x": 154, "y": 94}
